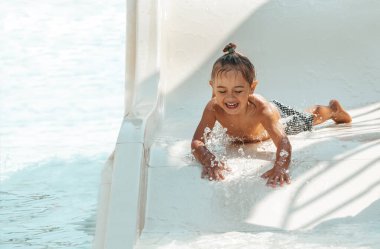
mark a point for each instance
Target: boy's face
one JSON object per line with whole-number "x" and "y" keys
{"x": 231, "y": 92}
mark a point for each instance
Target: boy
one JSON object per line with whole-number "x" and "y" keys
{"x": 251, "y": 118}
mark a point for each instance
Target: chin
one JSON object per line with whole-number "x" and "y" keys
{"x": 232, "y": 111}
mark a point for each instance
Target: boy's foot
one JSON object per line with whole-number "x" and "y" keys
{"x": 339, "y": 115}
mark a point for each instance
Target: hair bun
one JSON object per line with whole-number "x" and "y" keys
{"x": 230, "y": 48}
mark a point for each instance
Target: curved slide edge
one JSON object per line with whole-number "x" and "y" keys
{"x": 122, "y": 195}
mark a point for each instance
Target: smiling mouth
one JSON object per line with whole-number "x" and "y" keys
{"x": 232, "y": 105}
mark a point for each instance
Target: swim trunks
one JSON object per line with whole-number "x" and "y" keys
{"x": 294, "y": 121}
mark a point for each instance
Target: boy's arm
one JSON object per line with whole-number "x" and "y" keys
{"x": 279, "y": 172}
{"x": 199, "y": 150}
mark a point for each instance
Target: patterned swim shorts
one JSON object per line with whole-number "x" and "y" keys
{"x": 294, "y": 121}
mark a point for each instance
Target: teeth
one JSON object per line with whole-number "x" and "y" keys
{"x": 231, "y": 105}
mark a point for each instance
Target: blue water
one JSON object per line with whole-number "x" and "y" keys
{"x": 61, "y": 106}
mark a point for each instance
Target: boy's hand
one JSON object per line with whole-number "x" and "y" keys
{"x": 215, "y": 172}
{"x": 275, "y": 176}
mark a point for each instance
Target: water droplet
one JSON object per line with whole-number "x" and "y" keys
{"x": 241, "y": 151}
{"x": 216, "y": 140}
{"x": 284, "y": 153}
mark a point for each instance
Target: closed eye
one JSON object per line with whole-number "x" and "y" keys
{"x": 222, "y": 91}
{"x": 238, "y": 91}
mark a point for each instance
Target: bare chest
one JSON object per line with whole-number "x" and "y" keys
{"x": 248, "y": 129}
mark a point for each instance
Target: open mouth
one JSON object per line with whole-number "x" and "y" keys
{"x": 232, "y": 105}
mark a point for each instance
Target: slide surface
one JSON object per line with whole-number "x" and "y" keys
{"x": 305, "y": 53}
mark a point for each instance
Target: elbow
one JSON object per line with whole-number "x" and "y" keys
{"x": 195, "y": 144}
{"x": 192, "y": 146}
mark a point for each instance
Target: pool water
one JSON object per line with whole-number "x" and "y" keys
{"x": 61, "y": 106}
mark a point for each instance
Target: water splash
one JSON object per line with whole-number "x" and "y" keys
{"x": 241, "y": 151}
{"x": 216, "y": 141}
{"x": 245, "y": 161}
{"x": 284, "y": 153}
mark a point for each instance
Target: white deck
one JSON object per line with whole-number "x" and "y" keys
{"x": 305, "y": 53}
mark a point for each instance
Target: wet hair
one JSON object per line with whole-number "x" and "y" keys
{"x": 233, "y": 61}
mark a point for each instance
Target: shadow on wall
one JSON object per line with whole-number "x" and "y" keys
{"x": 305, "y": 53}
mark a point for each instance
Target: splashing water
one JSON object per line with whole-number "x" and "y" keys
{"x": 242, "y": 161}
{"x": 216, "y": 141}
{"x": 241, "y": 151}
{"x": 284, "y": 153}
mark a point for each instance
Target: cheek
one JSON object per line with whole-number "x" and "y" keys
{"x": 243, "y": 96}
{"x": 219, "y": 99}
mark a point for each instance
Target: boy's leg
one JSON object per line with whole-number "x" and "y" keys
{"x": 333, "y": 111}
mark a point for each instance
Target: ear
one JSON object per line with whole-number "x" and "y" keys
{"x": 211, "y": 83}
{"x": 253, "y": 85}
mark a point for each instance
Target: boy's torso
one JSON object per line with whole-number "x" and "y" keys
{"x": 247, "y": 127}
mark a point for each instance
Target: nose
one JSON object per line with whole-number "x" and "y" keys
{"x": 230, "y": 95}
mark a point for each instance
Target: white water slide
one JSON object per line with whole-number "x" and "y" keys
{"x": 305, "y": 53}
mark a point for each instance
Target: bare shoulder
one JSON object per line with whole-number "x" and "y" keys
{"x": 264, "y": 108}
{"x": 211, "y": 105}
{"x": 210, "y": 110}
{"x": 260, "y": 103}
{"x": 208, "y": 120}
